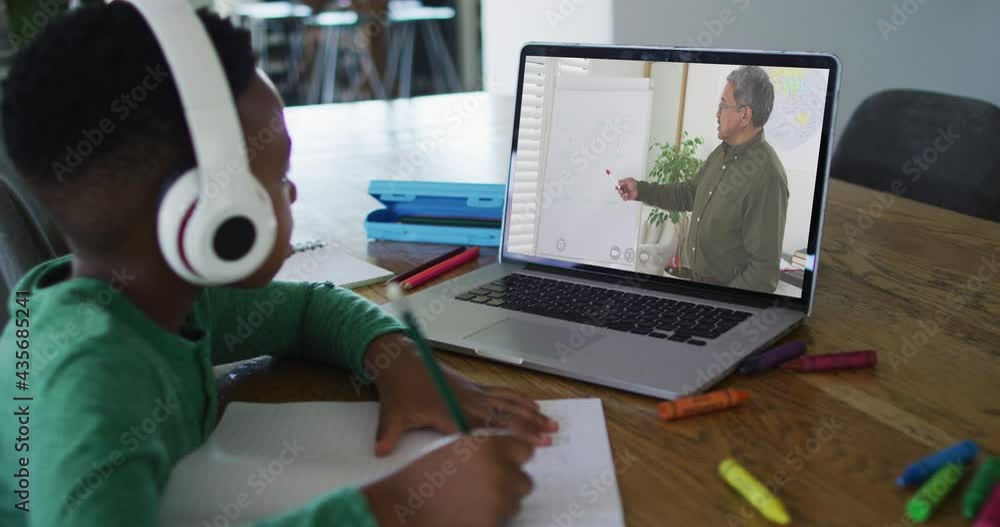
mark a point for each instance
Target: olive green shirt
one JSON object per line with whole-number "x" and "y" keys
{"x": 738, "y": 200}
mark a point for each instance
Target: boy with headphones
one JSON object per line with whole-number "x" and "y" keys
{"x": 130, "y": 122}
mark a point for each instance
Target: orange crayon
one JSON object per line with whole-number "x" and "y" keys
{"x": 702, "y": 404}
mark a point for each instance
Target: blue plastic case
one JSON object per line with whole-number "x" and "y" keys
{"x": 434, "y": 199}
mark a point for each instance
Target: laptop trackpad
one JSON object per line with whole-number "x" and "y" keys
{"x": 522, "y": 338}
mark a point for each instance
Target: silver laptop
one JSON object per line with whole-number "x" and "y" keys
{"x": 663, "y": 216}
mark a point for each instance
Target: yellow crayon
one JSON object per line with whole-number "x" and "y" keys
{"x": 754, "y": 492}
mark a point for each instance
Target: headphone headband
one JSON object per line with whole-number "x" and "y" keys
{"x": 204, "y": 90}
{"x": 211, "y": 230}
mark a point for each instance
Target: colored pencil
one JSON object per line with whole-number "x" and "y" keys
{"x": 426, "y": 265}
{"x": 396, "y": 295}
{"x": 440, "y": 269}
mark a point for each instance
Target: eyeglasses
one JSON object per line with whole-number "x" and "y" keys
{"x": 725, "y": 107}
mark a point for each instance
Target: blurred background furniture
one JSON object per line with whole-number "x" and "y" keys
{"x": 323, "y": 51}
{"x": 277, "y": 32}
{"x": 407, "y": 19}
{"x": 943, "y": 149}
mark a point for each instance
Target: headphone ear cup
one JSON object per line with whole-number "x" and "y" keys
{"x": 177, "y": 204}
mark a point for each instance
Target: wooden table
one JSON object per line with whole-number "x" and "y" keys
{"x": 832, "y": 444}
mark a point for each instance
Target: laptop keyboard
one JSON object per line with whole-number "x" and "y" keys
{"x": 655, "y": 317}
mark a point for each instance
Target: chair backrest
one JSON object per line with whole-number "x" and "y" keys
{"x": 27, "y": 236}
{"x": 942, "y": 149}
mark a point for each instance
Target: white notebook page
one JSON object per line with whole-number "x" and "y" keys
{"x": 264, "y": 459}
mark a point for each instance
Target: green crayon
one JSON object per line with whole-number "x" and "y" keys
{"x": 934, "y": 491}
{"x": 986, "y": 477}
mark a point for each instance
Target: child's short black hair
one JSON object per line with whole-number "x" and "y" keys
{"x": 92, "y": 117}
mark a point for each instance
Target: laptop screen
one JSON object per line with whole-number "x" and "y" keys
{"x": 695, "y": 171}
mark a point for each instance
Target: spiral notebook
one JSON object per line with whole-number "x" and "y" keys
{"x": 306, "y": 450}
{"x": 317, "y": 261}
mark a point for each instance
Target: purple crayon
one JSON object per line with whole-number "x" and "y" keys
{"x": 768, "y": 360}
{"x": 850, "y": 360}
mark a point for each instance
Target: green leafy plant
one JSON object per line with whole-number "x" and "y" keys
{"x": 673, "y": 164}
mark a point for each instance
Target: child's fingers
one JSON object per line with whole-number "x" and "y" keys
{"x": 389, "y": 431}
{"x": 517, "y": 449}
{"x": 506, "y": 407}
{"x": 520, "y": 418}
{"x": 512, "y": 394}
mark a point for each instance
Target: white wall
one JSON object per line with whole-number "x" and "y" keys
{"x": 508, "y": 24}
{"x": 942, "y": 46}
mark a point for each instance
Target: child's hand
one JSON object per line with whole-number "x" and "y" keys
{"x": 477, "y": 481}
{"x": 410, "y": 400}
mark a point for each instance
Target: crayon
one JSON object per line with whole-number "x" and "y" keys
{"x": 701, "y": 404}
{"x": 934, "y": 491}
{"x": 920, "y": 470}
{"x": 753, "y": 491}
{"x": 983, "y": 482}
{"x": 771, "y": 358}
{"x": 440, "y": 269}
{"x": 426, "y": 265}
{"x": 849, "y": 360}
{"x": 990, "y": 515}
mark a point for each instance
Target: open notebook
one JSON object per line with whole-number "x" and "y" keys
{"x": 310, "y": 449}
{"x": 321, "y": 262}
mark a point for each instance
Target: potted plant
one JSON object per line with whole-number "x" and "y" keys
{"x": 674, "y": 164}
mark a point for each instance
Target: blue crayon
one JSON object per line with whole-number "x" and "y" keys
{"x": 919, "y": 471}
{"x": 768, "y": 360}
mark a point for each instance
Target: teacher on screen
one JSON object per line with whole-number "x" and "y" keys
{"x": 739, "y": 196}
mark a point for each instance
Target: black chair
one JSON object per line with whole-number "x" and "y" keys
{"x": 944, "y": 150}
{"x": 27, "y": 236}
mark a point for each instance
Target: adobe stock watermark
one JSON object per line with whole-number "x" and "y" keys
{"x": 454, "y": 116}
{"x": 796, "y": 458}
{"x": 377, "y": 361}
{"x": 915, "y": 168}
{"x": 256, "y": 143}
{"x": 247, "y": 325}
{"x": 592, "y": 491}
{"x": 943, "y": 487}
{"x": 754, "y": 329}
{"x": 582, "y": 157}
{"x": 563, "y": 12}
{"x": 84, "y": 325}
{"x": 435, "y": 480}
{"x": 131, "y": 440}
{"x": 46, "y": 11}
{"x": 259, "y": 481}
{"x": 955, "y": 302}
{"x": 899, "y": 15}
{"x": 122, "y": 108}
{"x": 715, "y": 27}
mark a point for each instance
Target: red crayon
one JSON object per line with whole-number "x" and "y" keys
{"x": 850, "y": 360}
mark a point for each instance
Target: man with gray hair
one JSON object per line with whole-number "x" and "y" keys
{"x": 738, "y": 198}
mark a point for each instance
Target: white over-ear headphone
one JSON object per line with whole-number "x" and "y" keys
{"x": 215, "y": 224}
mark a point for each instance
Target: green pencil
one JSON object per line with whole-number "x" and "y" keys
{"x": 395, "y": 293}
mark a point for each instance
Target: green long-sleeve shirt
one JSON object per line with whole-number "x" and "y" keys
{"x": 117, "y": 401}
{"x": 738, "y": 200}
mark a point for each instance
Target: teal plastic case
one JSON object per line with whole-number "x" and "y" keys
{"x": 433, "y": 199}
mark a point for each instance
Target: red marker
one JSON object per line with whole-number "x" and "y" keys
{"x": 850, "y": 360}
{"x": 613, "y": 180}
